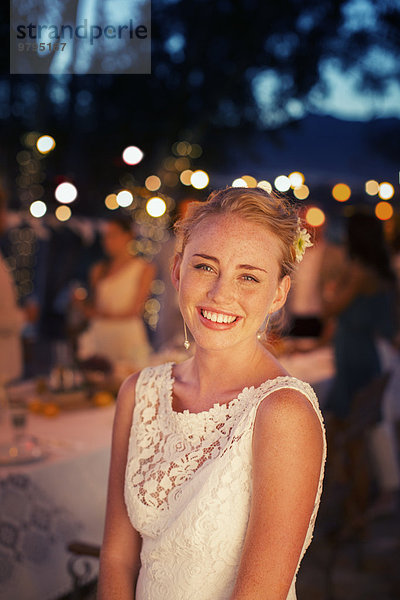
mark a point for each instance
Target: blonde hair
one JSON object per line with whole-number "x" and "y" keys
{"x": 273, "y": 212}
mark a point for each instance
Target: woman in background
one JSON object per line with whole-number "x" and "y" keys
{"x": 120, "y": 285}
{"x": 363, "y": 301}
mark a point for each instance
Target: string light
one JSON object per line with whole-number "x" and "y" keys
{"x": 66, "y": 192}
{"x": 199, "y": 179}
{"x": 341, "y": 192}
{"x": 132, "y": 155}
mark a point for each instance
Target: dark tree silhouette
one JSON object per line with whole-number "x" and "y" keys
{"x": 217, "y": 66}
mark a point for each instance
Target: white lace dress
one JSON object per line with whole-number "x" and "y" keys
{"x": 188, "y": 487}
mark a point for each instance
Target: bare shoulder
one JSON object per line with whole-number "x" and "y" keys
{"x": 287, "y": 414}
{"x": 126, "y": 396}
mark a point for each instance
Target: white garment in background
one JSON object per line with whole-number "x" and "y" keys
{"x": 11, "y": 323}
{"x": 122, "y": 339}
{"x": 188, "y": 487}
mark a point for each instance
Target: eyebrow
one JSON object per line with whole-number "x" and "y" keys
{"x": 248, "y": 267}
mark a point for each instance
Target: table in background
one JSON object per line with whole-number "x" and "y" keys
{"x": 46, "y": 504}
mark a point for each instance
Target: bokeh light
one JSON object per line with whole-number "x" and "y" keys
{"x": 38, "y": 209}
{"x": 315, "y": 216}
{"x": 265, "y": 185}
{"x": 386, "y": 191}
{"x": 239, "y": 182}
{"x": 45, "y": 144}
{"x": 199, "y": 179}
{"x": 124, "y": 198}
{"x": 183, "y": 148}
{"x": 63, "y": 213}
{"x": 384, "y": 211}
{"x": 111, "y": 202}
{"x": 301, "y": 192}
{"x": 196, "y": 151}
{"x": 185, "y": 176}
{"x": 371, "y": 187}
{"x": 132, "y": 155}
{"x": 66, "y": 192}
{"x": 282, "y": 183}
{"x": 296, "y": 179}
{"x": 341, "y": 192}
{"x": 156, "y": 206}
{"x": 251, "y": 181}
{"x": 153, "y": 183}
{"x": 181, "y": 163}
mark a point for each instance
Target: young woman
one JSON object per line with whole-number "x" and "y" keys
{"x": 120, "y": 286}
{"x": 217, "y": 462}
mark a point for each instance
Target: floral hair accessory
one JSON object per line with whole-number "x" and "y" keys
{"x": 302, "y": 242}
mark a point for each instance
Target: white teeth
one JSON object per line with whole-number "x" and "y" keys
{"x": 217, "y": 317}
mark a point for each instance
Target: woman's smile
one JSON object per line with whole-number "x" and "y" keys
{"x": 216, "y": 319}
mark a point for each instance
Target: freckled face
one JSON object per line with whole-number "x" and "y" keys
{"x": 228, "y": 280}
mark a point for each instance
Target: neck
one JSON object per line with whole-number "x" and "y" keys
{"x": 227, "y": 369}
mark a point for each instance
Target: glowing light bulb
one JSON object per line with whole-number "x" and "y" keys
{"x": 386, "y": 191}
{"x": 282, "y": 183}
{"x": 301, "y": 192}
{"x": 185, "y": 176}
{"x": 384, "y": 211}
{"x": 124, "y": 198}
{"x": 63, "y": 213}
{"x": 239, "y": 182}
{"x": 315, "y": 216}
{"x": 156, "y": 206}
{"x": 153, "y": 183}
{"x": 199, "y": 179}
{"x": 132, "y": 155}
{"x": 371, "y": 187}
{"x": 341, "y": 192}
{"x": 66, "y": 192}
{"x": 38, "y": 209}
{"x": 111, "y": 202}
{"x": 251, "y": 181}
{"x": 45, "y": 144}
{"x": 296, "y": 179}
{"x": 265, "y": 185}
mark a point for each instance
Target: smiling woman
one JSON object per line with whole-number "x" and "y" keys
{"x": 217, "y": 462}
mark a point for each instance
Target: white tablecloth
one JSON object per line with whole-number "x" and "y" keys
{"x": 45, "y": 505}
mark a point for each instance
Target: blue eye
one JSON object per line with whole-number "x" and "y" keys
{"x": 250, "y": 278}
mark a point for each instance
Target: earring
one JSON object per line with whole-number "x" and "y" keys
{"x": 186, "y": 343}
{"x": 264, "y": 331}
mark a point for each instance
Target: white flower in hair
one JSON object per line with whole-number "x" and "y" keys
{"x": 302, "y": 242}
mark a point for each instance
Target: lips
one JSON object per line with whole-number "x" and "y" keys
{"x": 217, "y": 317}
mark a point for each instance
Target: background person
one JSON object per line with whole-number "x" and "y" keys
{"x": 119, "y": 286}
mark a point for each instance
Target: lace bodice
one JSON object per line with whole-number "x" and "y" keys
{"x": 188, "y": 487}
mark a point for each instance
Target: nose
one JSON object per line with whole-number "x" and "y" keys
{"x": 222, "y": 291}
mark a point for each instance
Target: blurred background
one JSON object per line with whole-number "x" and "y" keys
{"x": 302, "y": 98}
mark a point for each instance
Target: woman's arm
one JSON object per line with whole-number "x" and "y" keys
{"x": 287, "y": 458}
{"x": 120, "y": 551}
{"x": 145, "y": 281}
{"x": 143, "y": 292}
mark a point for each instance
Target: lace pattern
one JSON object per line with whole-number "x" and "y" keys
{"x": 188, "y": 485}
